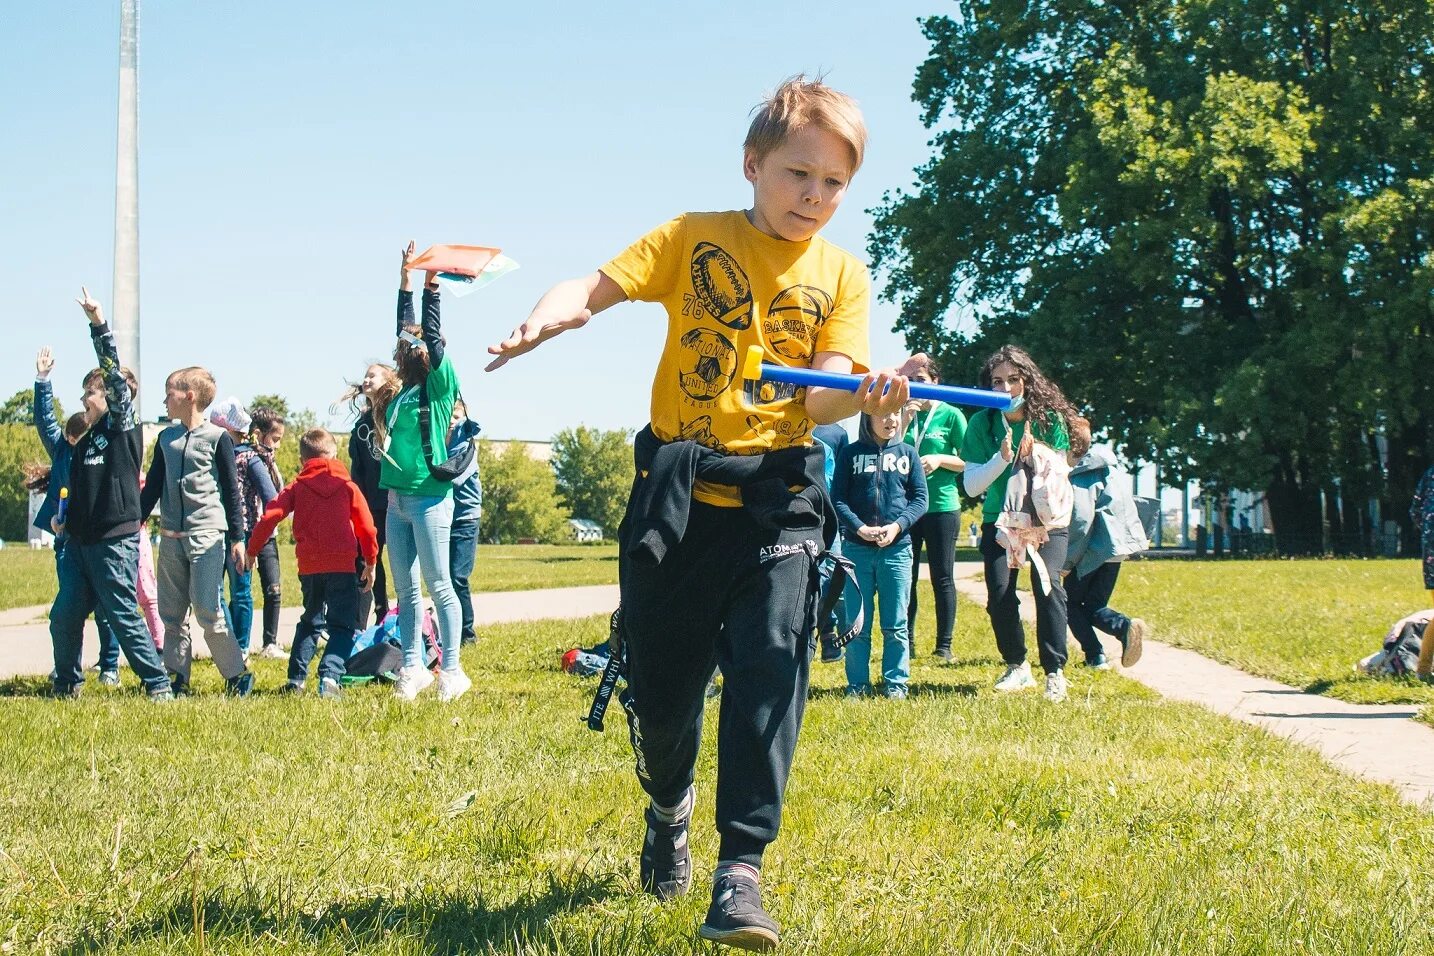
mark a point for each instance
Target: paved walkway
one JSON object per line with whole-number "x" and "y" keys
{"x": 1376, "y": 741}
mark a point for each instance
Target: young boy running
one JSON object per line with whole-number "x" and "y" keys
{"x": 729, "y": 510}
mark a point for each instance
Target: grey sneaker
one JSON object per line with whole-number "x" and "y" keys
{"x": 857, "y": 691}
{"x": 736, "y": 917}
{"x": 240, "y": 686}
{"x": 161, "y": 696}
{"x": 1131, "y": 643}
{"x": 109, "y": 679}
{"x": 1055, "y": 687}
{"x": 896, "y": 692}
{"x": 329, "y": 688}
{"x": 665, "y": 867}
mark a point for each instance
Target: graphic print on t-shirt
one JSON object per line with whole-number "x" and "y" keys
{"x": 720, "y": 286}
{"x": 700, "y": 431}
{"x": 793, "y": 320}
{"x": 707, "y": 364}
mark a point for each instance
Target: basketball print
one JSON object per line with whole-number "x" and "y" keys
{"x": 721, "y": 286}
{"x": 793, "y": 320}
{"x": 707, "y": 365}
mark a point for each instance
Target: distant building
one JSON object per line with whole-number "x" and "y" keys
{"x": 537, "y": 450}
{"x": 581, "y": 529}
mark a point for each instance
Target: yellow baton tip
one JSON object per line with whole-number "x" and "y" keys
{"x": 752, "y": 364}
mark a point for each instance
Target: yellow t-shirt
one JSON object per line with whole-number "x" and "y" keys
{"x": 726, "y": 286}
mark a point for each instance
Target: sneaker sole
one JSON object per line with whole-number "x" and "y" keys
{"x": 753, "y": 938}
{"x": 1134, "y": 641}
{"x": 1019, "y": 687}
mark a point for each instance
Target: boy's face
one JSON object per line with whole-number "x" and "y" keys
{"x": 96, "y": 403}
{"x": 797, "y": 186}
{"x": 178, "y": 402}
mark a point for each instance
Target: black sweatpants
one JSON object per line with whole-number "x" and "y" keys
{"x": 1004, "y": 604}
{"x": 937, "y": 531}
{"x": 1088, "y": 603}
{"x": 738, "y": 596}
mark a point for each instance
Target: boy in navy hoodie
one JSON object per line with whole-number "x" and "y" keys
{"x": 101, "y": 560}
{"x": 879, "y": 490}
{"x": 333, "y": 533}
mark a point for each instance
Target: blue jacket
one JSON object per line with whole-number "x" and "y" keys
{"x": 468, "y": 489}
{"x": 1105, "y": 525}
{"x": 876, "y": 486}
{"x": 52, "y": 436}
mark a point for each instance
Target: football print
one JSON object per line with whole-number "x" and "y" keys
{"x": 721, "y": 286}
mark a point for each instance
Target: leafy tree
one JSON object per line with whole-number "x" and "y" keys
{"x": 520, "y": 496}
{"x": 594, "y": 473}
{"x": 19, "y": 409}
{"x": 1210, "y": 219}
{"x": 19, "y": 446}
{"x": 278, "y": 403}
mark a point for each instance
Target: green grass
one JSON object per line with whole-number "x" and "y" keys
{"x": 1303, "y": 623}
{"x": 956, "y": 822}
{"x": 27, "y": 578}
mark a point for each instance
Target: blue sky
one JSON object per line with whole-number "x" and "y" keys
{"x": 289, "y": 150}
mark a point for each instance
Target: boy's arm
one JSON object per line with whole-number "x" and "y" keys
{"x": 841, "y": 483}
{"x": 121, "y": 405}
{"x": 916, "y": 502}
{"x": 277, "y": 511}
{"x": 567, "y": 305}
{"x": 153, "y": 482}
{"x": 229, "y": 495}
{"x": 879, "y": 393}
{"x": 44, "y": 415}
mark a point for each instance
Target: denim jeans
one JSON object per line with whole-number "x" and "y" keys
{"x": 109, "y": 644}
{"x": 241, "y": 604}
{"x": 100, "y": 578}
{"x": 462, "y": 550}
{"x": 884, "y": 576}
{"x": 330, "y": 603}
{"x": 418, "y": 536}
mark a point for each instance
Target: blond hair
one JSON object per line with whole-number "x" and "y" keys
{"x": 197, "y": 380}
{"x": 317, "y": 443}
{"x": 798, "y": 103}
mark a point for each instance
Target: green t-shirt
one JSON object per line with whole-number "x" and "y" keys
{"x": 983, "y": 439}
{"x": 939, "y": 431}
{"x": 408, "y": 472}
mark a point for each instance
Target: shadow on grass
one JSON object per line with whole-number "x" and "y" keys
{"x": 915, "y": 689}
{"x": 1371, "y": 690}
{"x": 445, "y": 924}
{"x": 27, "y": 686}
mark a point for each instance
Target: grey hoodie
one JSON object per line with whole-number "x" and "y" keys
{"x": 1104, "y": 523}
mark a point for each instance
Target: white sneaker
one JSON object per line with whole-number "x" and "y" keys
{"x": 453, "y": 684}
{"x": 411, "y": 682}
{"x": 1016, "y": 678}
{"x": 1055, "y": 687}
{"x": 274, "y": 652}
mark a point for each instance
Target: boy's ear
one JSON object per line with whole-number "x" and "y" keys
{"x": 749, "y": 165}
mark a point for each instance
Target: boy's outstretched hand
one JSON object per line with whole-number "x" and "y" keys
{"x": 537, "y": 329}
{"x": 567, "y": 305}
{"x": 91, "y": 307}
{"x": 44, "y": 364}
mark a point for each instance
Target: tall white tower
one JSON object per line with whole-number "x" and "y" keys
{"x": 124, "y": 309}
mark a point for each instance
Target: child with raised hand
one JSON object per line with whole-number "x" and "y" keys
{"x": 420, "y": 505}
{"x": 332, "y": 528}
{"x": 104, "y": 518}
{"x": 266, "y": 433}
{"x": 718, "y": 556}
{"x": 59, "y": 444}
{"x": 994, "y": 442}
{"x": 1104, "y": 530}
{"x": 192, "y": 478}
{"x": 369, "y": 400}
{"x": 879, "y": 490}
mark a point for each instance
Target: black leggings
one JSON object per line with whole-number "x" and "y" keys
{"x": 270, "y": 580}
{"x": 1004, "y": 604}
{"x": 937, "y": 530}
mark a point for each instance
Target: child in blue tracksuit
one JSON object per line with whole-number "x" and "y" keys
{"x": 879, "y": 490}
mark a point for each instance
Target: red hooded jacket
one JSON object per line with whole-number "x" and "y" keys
{"x": 332, "y": 523}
